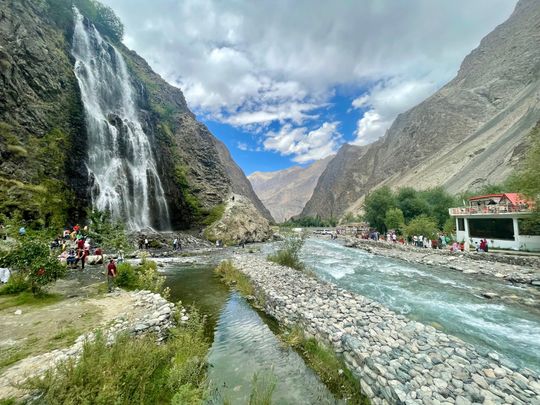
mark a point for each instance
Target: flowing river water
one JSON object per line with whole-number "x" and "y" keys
{"x": 245, "y": 342}
{"x": 447, "y": 299}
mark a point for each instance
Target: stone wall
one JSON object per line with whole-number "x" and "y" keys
{"x": 398, "y": 361}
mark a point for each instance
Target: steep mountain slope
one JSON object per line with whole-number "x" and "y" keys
{"x": 467, "y": 134}
{"x": 43, "y": 132}
{"x": 285, "y": 192}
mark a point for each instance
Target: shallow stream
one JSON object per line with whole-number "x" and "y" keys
{"x": 244, "y": 343}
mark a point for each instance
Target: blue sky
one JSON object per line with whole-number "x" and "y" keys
{"x": 285, "y": 83}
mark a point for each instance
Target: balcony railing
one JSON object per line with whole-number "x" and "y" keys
{"x": 489, "y": 210}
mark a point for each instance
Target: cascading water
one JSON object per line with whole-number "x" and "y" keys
{"x": 120, "y": 163}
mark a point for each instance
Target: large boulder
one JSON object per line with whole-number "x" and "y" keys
{"x": 240, "y": 222}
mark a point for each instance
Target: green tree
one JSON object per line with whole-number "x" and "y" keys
{"x": 438, "y": 201}
{"x": 394, "y": 218}
{"x": 411, "y": 203}
{"x": 422, "y": 225}
{"x": 376, "y": 204}
{"x": 34, "y": 262}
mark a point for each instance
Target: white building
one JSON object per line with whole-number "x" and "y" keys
{"x": 497, "y": 218}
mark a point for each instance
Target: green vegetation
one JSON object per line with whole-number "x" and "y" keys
{"x": 35, "y": 265}
{"x": 42, "y": 200}
{"x": 394, "y": 219}
{"x": 232, "y": 277}
{"x": 215, "y": 214}
{"x": 422, "y": 225}
{"x": 262, "y": 387}
{"x": 105, "y": 232}
{"x": 385, "y": 209}
{"x": 142, "y": 277}
{"x": 289, "y": 253}
{"x": 310, "y": 222}
{"x": 102, "y": 16}
{"x": 328, "y": 366}
{"x": 26, "y": 298}
{"x": 132, "y": 370}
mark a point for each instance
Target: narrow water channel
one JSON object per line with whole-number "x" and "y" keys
{"x": 244, "y": 343}
{"x": 447, "y": 299}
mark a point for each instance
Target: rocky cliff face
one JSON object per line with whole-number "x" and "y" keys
{"x": 43, "y": 133}
{"x": 468, "y": 134}
{"x": 285, "y": 192}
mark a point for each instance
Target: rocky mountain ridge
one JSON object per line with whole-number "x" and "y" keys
{"x": 285, "y": 192}
{"x": 42, "y": 126}
{"x": 469, "y": 133}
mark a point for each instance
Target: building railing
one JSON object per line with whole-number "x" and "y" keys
{"x": 489, "y": 209}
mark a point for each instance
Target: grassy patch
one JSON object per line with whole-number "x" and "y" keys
{"x": 142, "y": 277}
{"x": 231, "y": 276}
{"x": 28, "y": 299}
{"x": 132, "y": 370}
{"x": 289, "y": 254}
{"x": 330, "y": 368}
{"x": 214, "y": 214}
{"x": 262, "y": 388}
{"x": 12, "y": 355}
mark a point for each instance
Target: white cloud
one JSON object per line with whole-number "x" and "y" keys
{"x": 253, "y": 63}
{"x": 385, "y": 101}
{"x": 242, "y": 146}
{"x": 303, "y": 144}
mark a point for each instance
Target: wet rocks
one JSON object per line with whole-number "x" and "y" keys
{"x": 396, "y": 360}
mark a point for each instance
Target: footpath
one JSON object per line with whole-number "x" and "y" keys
{"x": 397, "y": 360}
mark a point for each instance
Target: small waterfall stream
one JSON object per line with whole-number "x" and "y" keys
{"x": 120, "y": 163}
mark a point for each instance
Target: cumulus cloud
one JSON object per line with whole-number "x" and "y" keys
{"x": 250, "y": 63}
{"x": 385, "y": 101}
{"x": 303, "y": 144}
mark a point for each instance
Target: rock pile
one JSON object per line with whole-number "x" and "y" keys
{"x": 241, "y": 222}
{"x": 398, "y": 361}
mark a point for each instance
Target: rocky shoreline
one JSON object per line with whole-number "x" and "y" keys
{"x": 397, "y": 360}
{"x": 155, "y": 314}
{"x": 512, "y": 268}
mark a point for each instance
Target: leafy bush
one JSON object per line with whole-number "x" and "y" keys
{"x": 289, "y": 253}
{"x": 394, "y": 219}
{"x": 142, "y": 277}
{"x": 34, "y": 263}
{"x": 132, "y": 370}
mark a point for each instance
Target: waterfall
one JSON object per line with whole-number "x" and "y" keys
{"x": 120, "y": 163}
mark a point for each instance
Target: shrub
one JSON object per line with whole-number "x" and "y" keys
{"x": 18, "y": 282}
{"x": 142, "y": 277}
{"x": 262, "y": 388}
{"x": 131, "y": 370}
{"x": 289, "y": 254}
{"x": 34, "y": 262}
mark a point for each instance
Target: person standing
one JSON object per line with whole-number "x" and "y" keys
{"x": 111, "y": 275}
{"x": 146, "y": 243}
{"x": 175, "y": 244}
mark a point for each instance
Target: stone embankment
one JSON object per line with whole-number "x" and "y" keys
{"x": 513, "y": 268}
{"x": 155, "y": 314}
{"x": 398, "y": 361}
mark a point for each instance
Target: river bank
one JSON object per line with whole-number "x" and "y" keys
{"x": 36, "y": 338}
{"x": 396, "y": 359}
{"x": 512, "y": 268}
